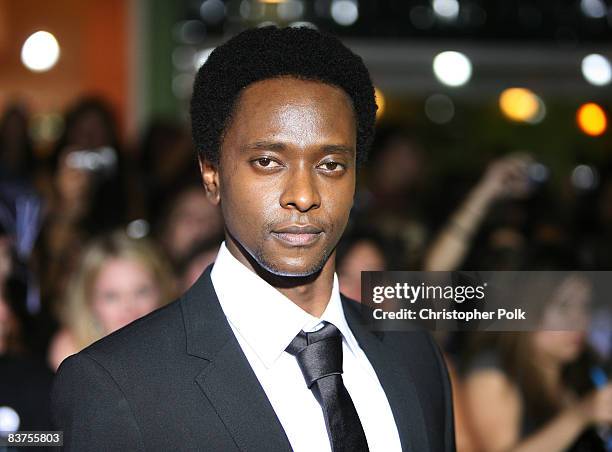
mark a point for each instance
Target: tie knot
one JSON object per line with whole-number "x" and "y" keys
{"x": 304, "y": 339}
{"x": 328, "y": 330}
{"x": 319, "y": 353}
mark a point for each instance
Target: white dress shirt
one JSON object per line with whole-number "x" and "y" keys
{"x": 265, "y": 322}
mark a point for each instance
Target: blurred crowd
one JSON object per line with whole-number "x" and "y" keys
{"x": 96, "y": 232}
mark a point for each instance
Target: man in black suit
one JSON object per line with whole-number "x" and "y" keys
{"x": 263, "y": 353}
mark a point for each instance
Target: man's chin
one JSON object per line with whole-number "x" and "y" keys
{"x": 289, "y": 269}
{"x": 278, "y": 263}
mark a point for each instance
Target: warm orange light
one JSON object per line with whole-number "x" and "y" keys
{"x": 592, "y": 119}
{"x": 521, "y": 104}
{"x": 380, "y": 101}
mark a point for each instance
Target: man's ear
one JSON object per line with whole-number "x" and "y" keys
{"x": 210, "y": 180}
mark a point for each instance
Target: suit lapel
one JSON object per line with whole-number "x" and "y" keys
{"x": 395, "y": 378}
{"x": 228, "y": 381}
{"x": 233, "y": 389}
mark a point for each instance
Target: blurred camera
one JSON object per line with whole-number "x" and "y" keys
{"x": 538, "y": 174}
{"x": 102, "y": 161}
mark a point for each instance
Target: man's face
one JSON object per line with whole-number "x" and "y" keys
{"x": 286, "y": 175}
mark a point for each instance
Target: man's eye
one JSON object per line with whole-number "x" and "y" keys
{"x": 332, "y": 166}
{"x": 266, "y": 162}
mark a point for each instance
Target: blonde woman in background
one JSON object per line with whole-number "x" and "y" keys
{"x": 119, "y": 280}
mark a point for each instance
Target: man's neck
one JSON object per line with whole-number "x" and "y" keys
{"x": 311, "y": 293}
{"x": 313, "y": 296}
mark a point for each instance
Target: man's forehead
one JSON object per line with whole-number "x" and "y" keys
{"x": 284, "y": 109}
{"x": 277, "y": 88}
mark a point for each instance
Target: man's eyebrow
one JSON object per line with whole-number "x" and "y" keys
{"x": 338, "y": 149}
{"x": 276, "y": 146}
{"x": 264, "y": 146}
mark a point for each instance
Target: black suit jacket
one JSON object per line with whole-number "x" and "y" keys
{"x": 177, "y": 379}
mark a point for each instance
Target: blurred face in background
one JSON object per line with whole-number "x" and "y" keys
{"x": 505, "y": 248}
{"x": 74, "y": 185}
{"x": 193, "y": 219}
{"x": 399, "y": 166}
{"x": 195, "y": 268}
{"x": 363, "y": 256}
{"x": 89, "y": 131}
{"x": 123, "y": 291}
{"x": 565, "y": 321}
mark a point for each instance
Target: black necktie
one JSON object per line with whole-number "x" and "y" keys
{"x": 319, "y": 355}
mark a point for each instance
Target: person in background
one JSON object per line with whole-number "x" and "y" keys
{"x": 395, "y": 201}
{"x": 91, "y": 126}
{"x": 25, "y": 381}
{"x": 85, "y": 191}
{"x": 506, "y": 177}
{"x": 191, "y": 219}
{"x": 163, "y": 163}
{"x": 16, "y": 150}
{"x": 201, "y": 256}
{"x": 358, "y": 251}
{"x": 530, "y": 391}
{"x": 11, "y": 341}
{"x": 13, "y": 289}
{"x": 119, "y": 279}
{"x": 594, "y": 225}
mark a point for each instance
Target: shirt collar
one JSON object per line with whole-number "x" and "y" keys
{"x": 265, "y": 318}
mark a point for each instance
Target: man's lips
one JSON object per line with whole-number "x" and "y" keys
{"x": 298, "y": 229}
{"x": 298, "y": 235}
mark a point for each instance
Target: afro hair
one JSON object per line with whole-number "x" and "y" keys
{"x": 270, "y": 52}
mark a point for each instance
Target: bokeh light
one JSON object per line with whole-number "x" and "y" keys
{"x": 345, "y": 12}
{"x": 522, "y": 105}
{"x": 538, "y": 172}
{"x": 291, "y": 10}
{"x": 446, "y": 9}
{"x": 212, "y": 11}
{"x": 9, "y": 419}
{"x": 452, "y": 68}
{"x": 439, "y": 108}
{"x": 592, "y": 119}
{"x": 182, "y": 85}
{"x": 138, "y": 229}
{"x": 596, "y": 69}
{"x": 40, "y": 51}
{"x": 584, "y": 177}
{"x": 190, "y": 31}
{"x": 595, "y": 9}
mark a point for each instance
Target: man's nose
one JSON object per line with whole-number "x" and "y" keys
{"x": 301, "y": 191}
